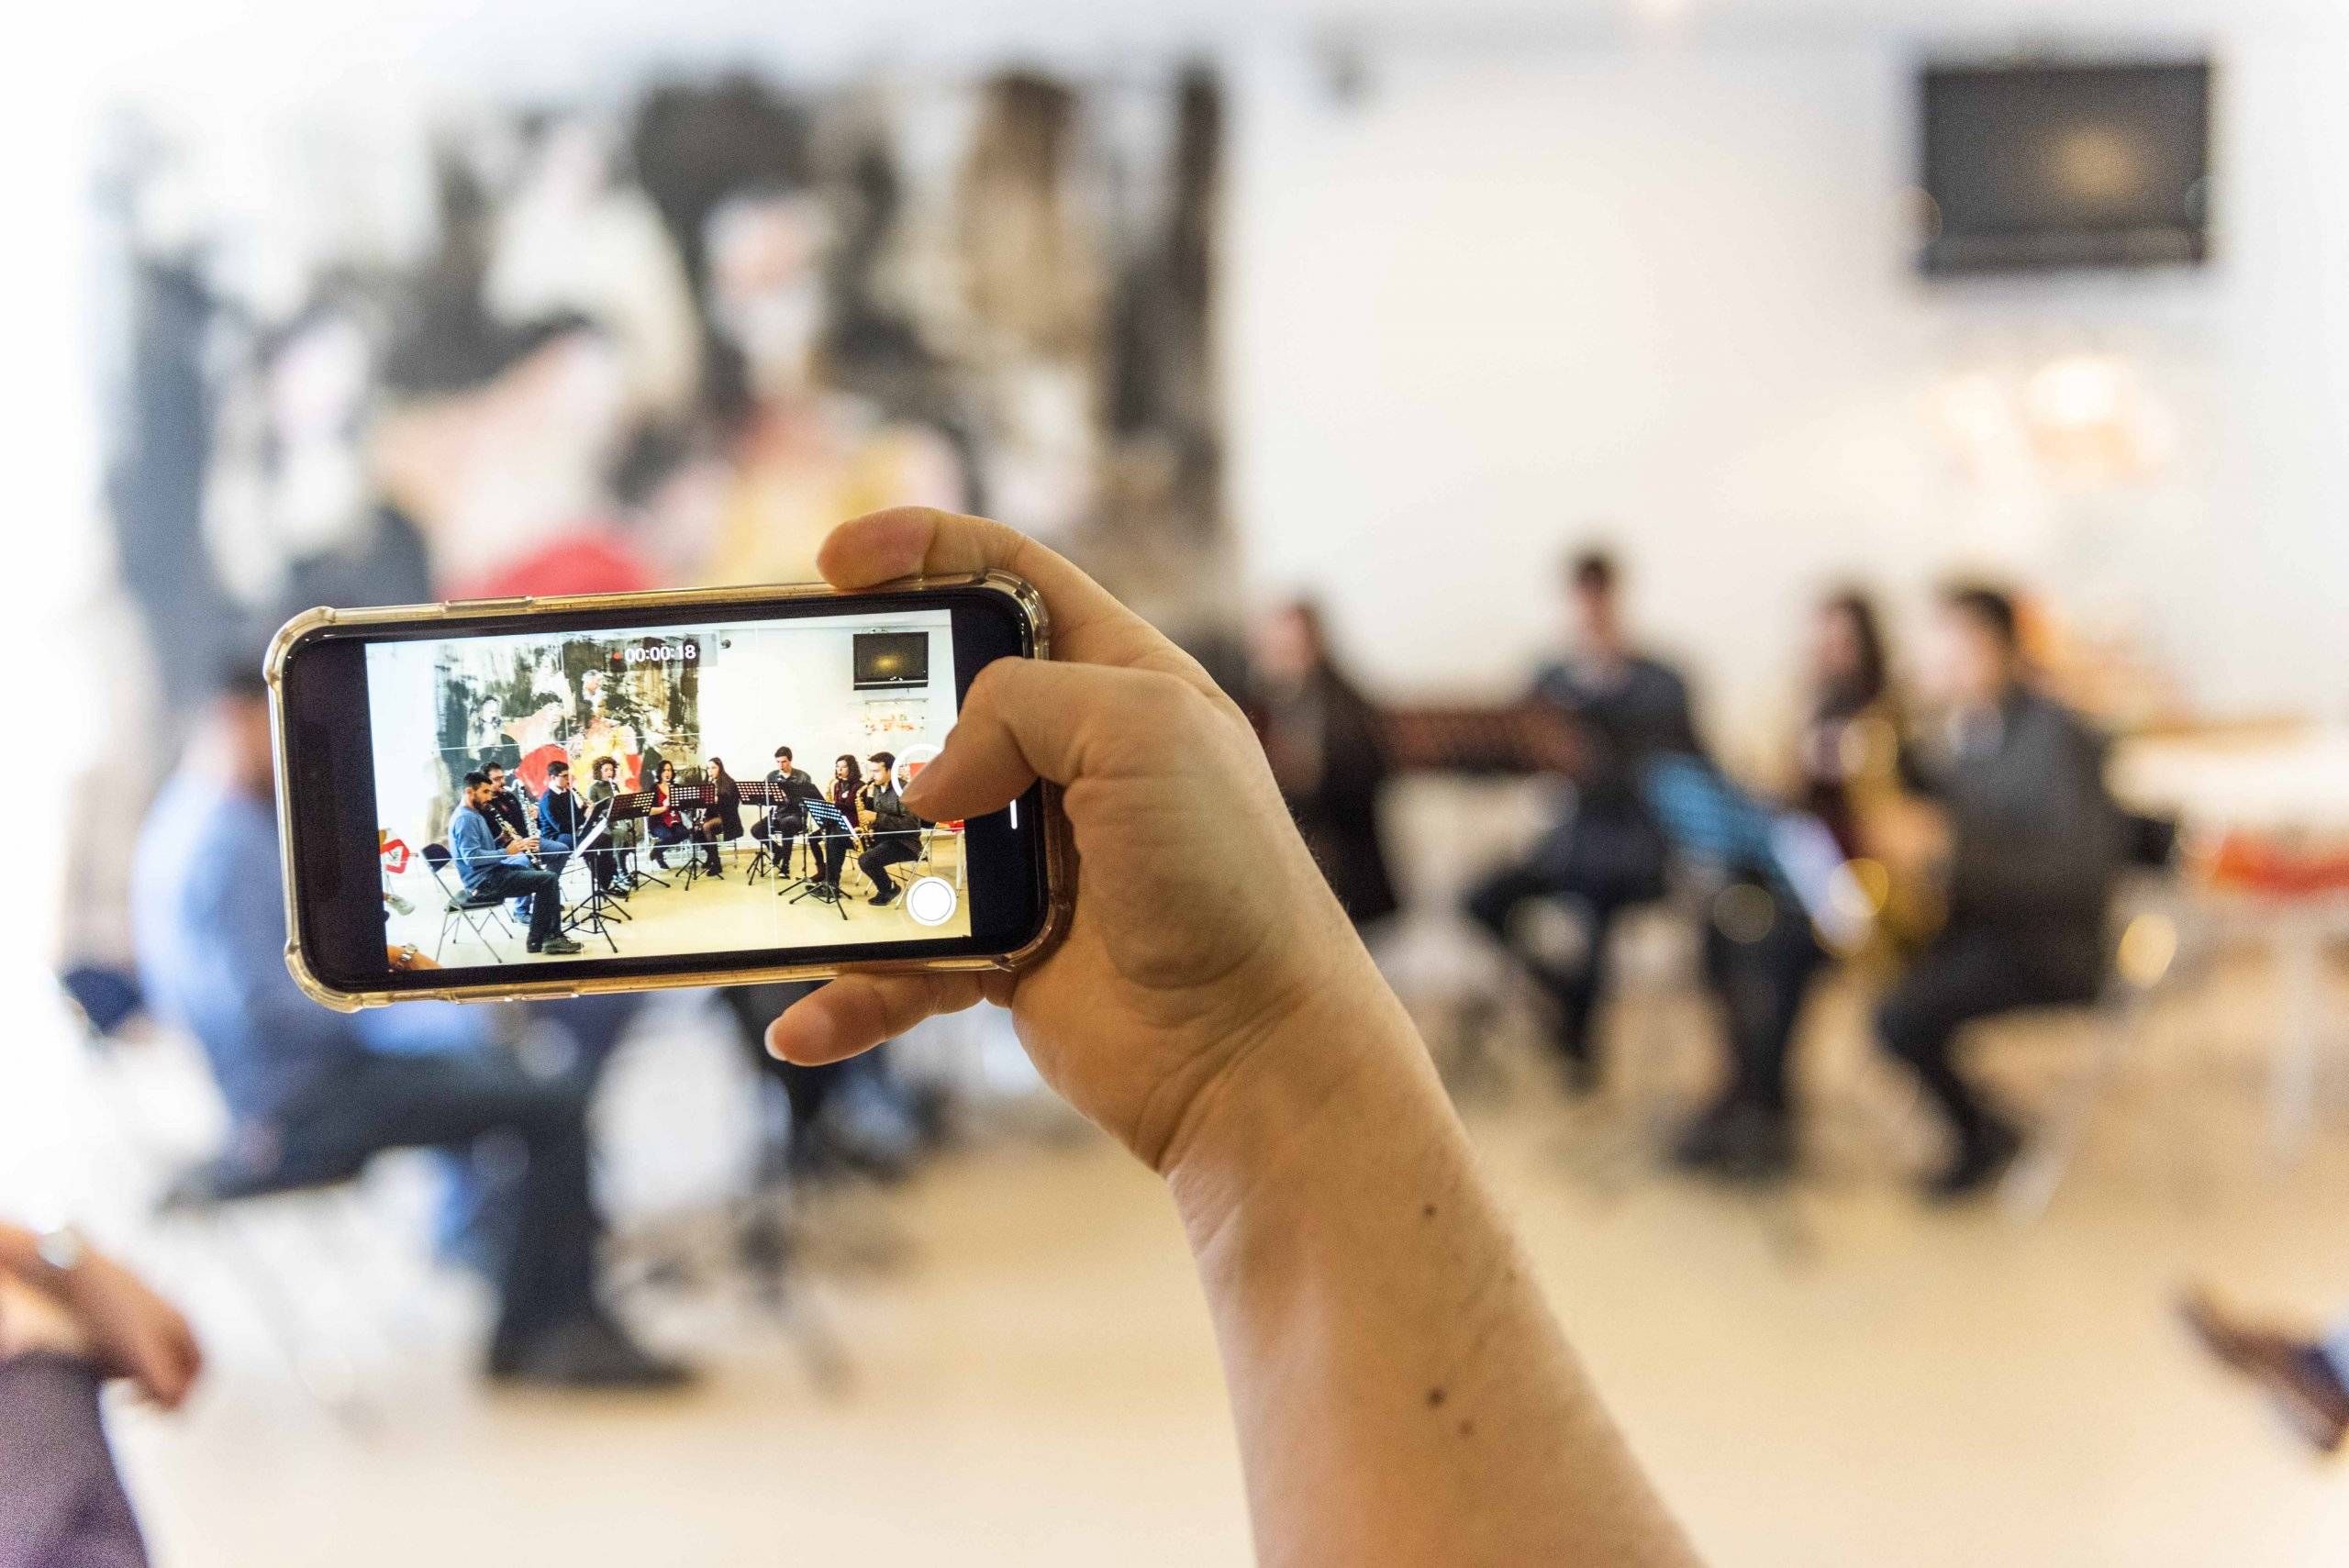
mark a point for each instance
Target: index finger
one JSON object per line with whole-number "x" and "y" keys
{"x": 1089, "y": 623}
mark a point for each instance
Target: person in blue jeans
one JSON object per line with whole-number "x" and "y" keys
{"x": 491, "y": 871}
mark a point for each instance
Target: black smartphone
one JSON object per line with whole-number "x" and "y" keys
{"x": 535, "y": 797}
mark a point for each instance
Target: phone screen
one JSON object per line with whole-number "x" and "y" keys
{"x": 670, "y": 794}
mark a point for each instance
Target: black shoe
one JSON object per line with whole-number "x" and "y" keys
{"x": 587, "y": 1352}
{"x": 559, "y": 945}
{"x": 882, "y": 896}
{"x": 717, "y": 871}
{"x": 1983, "y": 1157}
{"x": 1738, "y": 1141}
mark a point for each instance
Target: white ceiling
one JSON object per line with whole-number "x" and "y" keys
{"x": 548, "y": 43}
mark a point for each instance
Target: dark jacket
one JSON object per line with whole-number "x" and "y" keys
{"x": 726, "y": 809}
{"x": 1329, "y": 754}
{"x": 562, "y": 815}
{"x": 788, "y": 816}
{"x": 1610, "y": 848}
{"x": 507, "y": 812}
{"x": 2036, "y": 840}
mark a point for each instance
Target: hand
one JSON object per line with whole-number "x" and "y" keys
{"x": 526, "y": 846}
{"x": 1201, "y": 926}
{"x": 132, "y": 1331}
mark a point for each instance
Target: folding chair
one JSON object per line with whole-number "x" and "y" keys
{"x": 464, "y": 906}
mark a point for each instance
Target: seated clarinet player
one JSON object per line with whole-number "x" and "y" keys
{"x": 506, "y": 870}
{"x": 562, "y": 818}
{"x": 893, "y": 835}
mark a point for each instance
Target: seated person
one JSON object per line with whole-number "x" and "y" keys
{"x": 311, "y": 1100}
{"x": 2035, "y": 844}
{"x": 494, "y": 870}
{"x": 832, "y": 844}
{"x": 663, "y": 821}
{"x": 70, "y": 1319}
{"x": 562, "y": 818}
{"x": 786, "y": 816}
{"x": 609, "y": 861}
{"x": 721, "y": 819}
{"x": 893, "y": 836}
{"x": 1607, "y": 855}
{"x": 510, "y": 813}
{"x": 1761, "y": 953}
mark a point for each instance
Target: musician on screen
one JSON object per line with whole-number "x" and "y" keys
{"x": 893, "y": 834}
{"x": 608, "y": 860}
{"x": 1606, "y": 854}
{"x": 720, "y": 819}
{"x": 786, "y": 819}
{"x": 505, "y": 870}
{"x": 831, "y": 849}
{"x": 662, "y": 820}
{"x": 562, "y": 818}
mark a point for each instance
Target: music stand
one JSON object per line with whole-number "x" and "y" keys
{"x": 599, "y": 906}
{"x": 827, "y": 819}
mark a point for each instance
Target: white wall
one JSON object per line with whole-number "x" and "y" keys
{"x": 792, "y": 685}
{"x": 1661, "y": 293}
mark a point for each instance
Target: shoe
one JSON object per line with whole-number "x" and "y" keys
{"x": 587, "y": 1352}
{"x": 1982, "y": 1158}
{"x": 882, "y": 897}
{"x": 2296, "y": 1375}
{"x": 557, "y": 945}
{"x": 1738, "y": 1141}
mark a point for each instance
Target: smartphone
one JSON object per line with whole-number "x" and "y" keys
{"x": 527, "y": 797}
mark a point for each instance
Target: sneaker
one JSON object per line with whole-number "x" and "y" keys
{"x": 587, "y": 1352}
{"x": 557, "y": 945}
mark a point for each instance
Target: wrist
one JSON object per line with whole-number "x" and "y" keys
{"x": 1296, "y": 1109}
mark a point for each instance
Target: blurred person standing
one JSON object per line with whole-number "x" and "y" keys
{"x": 312, "y": 1098}
{"x": 1606, "y": 854}
{"x": 2033, "y": 846}
{"x": 1322, "y": 737}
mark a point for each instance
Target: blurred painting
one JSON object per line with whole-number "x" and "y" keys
{"x": 666, "y": 338}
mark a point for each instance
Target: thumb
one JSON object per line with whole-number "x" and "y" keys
{"x": 1027, "y": 718}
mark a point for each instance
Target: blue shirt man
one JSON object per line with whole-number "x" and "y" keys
{"x": 316, "y": 1097}
{"x": 493, "y": 871}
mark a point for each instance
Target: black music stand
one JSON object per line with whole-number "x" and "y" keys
{"x": 590, "y": 914}
{"x": 824, "y": 820}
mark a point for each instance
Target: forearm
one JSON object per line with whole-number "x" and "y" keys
{"x": 1402, "y": 1392}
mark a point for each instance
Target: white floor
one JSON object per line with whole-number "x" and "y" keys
{"x": 1837, "y": 1377}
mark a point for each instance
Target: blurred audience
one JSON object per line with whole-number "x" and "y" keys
{"x": 1322, "y": 738}
{"x": 1606, "y": 854}
{"x": 2034, "y": 844}
{"x": 312, "y": 1099}
{"x": 70, "y": 1319}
